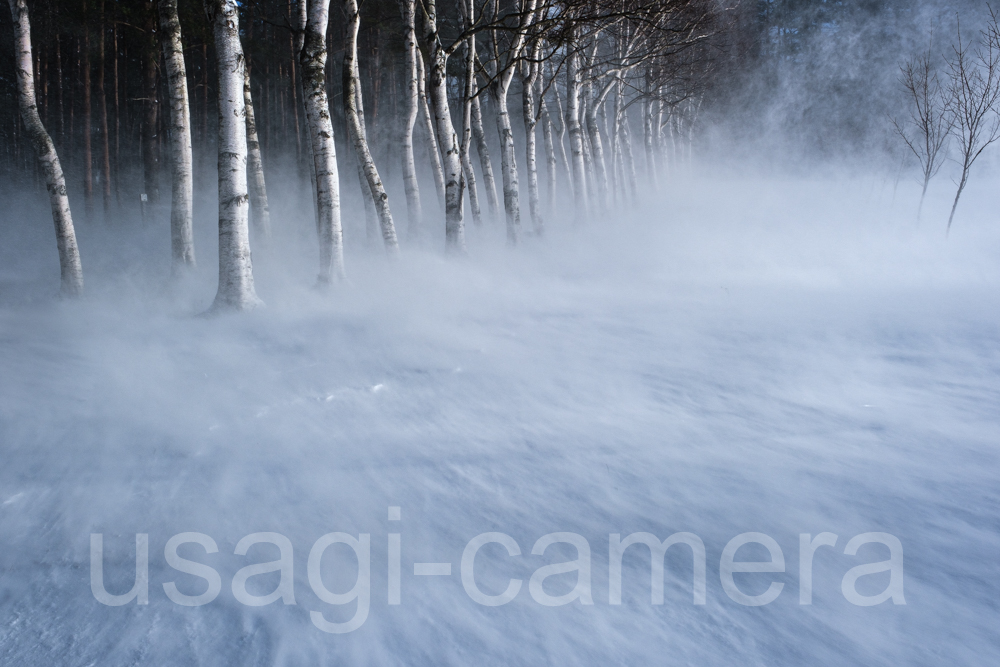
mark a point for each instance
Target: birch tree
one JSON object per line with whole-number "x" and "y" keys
{"x": 529, "y": 84}
{"x": 483, "y": 149}
{"x": 467, "y": 9}
{"x": 503, "y": 68}
{"x": 70, "y": 268}
{"x": 182, "y": 193}
{"x": 236, "y": 287}
{"x": 430, "y": 132}
{"x": 260, "y": 212}
{"x": 974, "y": 87}
{"x": 575, "y": 130}
{"x": 324, "y": 150}
{"x": 411, "y": 100}
{"x": 437, "y": 59}
{"x": 354, "y": 110}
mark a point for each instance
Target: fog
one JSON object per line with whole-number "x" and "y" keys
{"x": 779, "y": 354}
{"x": 749, "y": 336}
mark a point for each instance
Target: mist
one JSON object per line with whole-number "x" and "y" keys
{"x": 758, "y": 336}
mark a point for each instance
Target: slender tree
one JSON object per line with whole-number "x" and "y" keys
{"x": 102, "y": 105}
{"x": 324, "y": 150}
{"x": 182, "y": 186}
{"x": 70, "y": 268}
{"x": 412, "y": 107}
{"x": 354, "y": 110}
{"x": 975, "y": 90}
{"x": 150, "y": 107}
{"x": 260, "y": 212}
{"x": 437, "y": 59}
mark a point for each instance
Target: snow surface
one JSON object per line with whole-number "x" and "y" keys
{"x": 784, "y": 356}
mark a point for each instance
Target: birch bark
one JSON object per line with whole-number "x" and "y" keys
{"x": 411, "y": 185}
{"x": 452, "y": 164}
{"x": 551, "y": 164}
{"x": 182, "y": 197}
{"x": 313, "y": 61}
{"x": 529, "y": 79}
{"x": 70, "y": 269}
{"x": 236, "y": 288}
{"x": 355, "y": 120}
{"x": 573, "y": 124}
{"x": 489, "y": 182}
{"x": 468, "y": 19}
{"x": 260, "y": 212}
{"x": 502, "y": 78}
{"x": 433, "y": 149}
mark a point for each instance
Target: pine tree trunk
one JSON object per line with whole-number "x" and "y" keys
{"x": 354, "y": 110}
{"x": 295, "y": 42}
{"x": 312, "y": 59}
{"x": 118, "y": 118}
{"x": 59, "y": 93}
{"x": 182, "y": 188}
{"x": 88, "y": 128}
{"x": 410, "y": 183}
{"x": 103, "y": 106}
{"x": 451, "y": 159}
{"x": 236, "y": 286}
{"x": 260, "y": 213}
{"x": 70, "y": 269}
{"x": 150, "y": 112}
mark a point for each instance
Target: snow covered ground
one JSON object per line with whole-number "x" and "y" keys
{"x": 783, "y": 357}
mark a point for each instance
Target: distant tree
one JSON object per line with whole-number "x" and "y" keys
{"x": 974, "y": 88}
{"x": 932, "y": 117}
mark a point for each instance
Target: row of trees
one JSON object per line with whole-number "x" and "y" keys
{"x": 119, "y": 88}
{"x": 960, "y": 107}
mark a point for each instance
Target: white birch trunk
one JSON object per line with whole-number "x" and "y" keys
{"x": 312, "y": 59}
{"x": 551, "y": 163}
{"x": 354, "y": 110}
{"x": 182, "y": 194}
{"x": 433, "y": 149}
{"x": 597, "y": 150}
{"x": 260, "y": 213}
{"x": 631, "y": 175}
{"x": 451, "y": 162}
{"x": 508, "y": 166}
{"x": 560, "y": 115}
{"x": 371, "y": 216}
{"x": 236, "y": 288}
{"x": 573, "y": 127}
{"x": 588, "y": 153}
{"x": 483, "y": 149}
{"x": 647, "y": 126}
{"x": 467, "y": 10}
{"x": 70, "y": 269}
{"x": 412, "y": 106}
{"x": 501, "y": 86}
{"x": 529, "y": 78}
